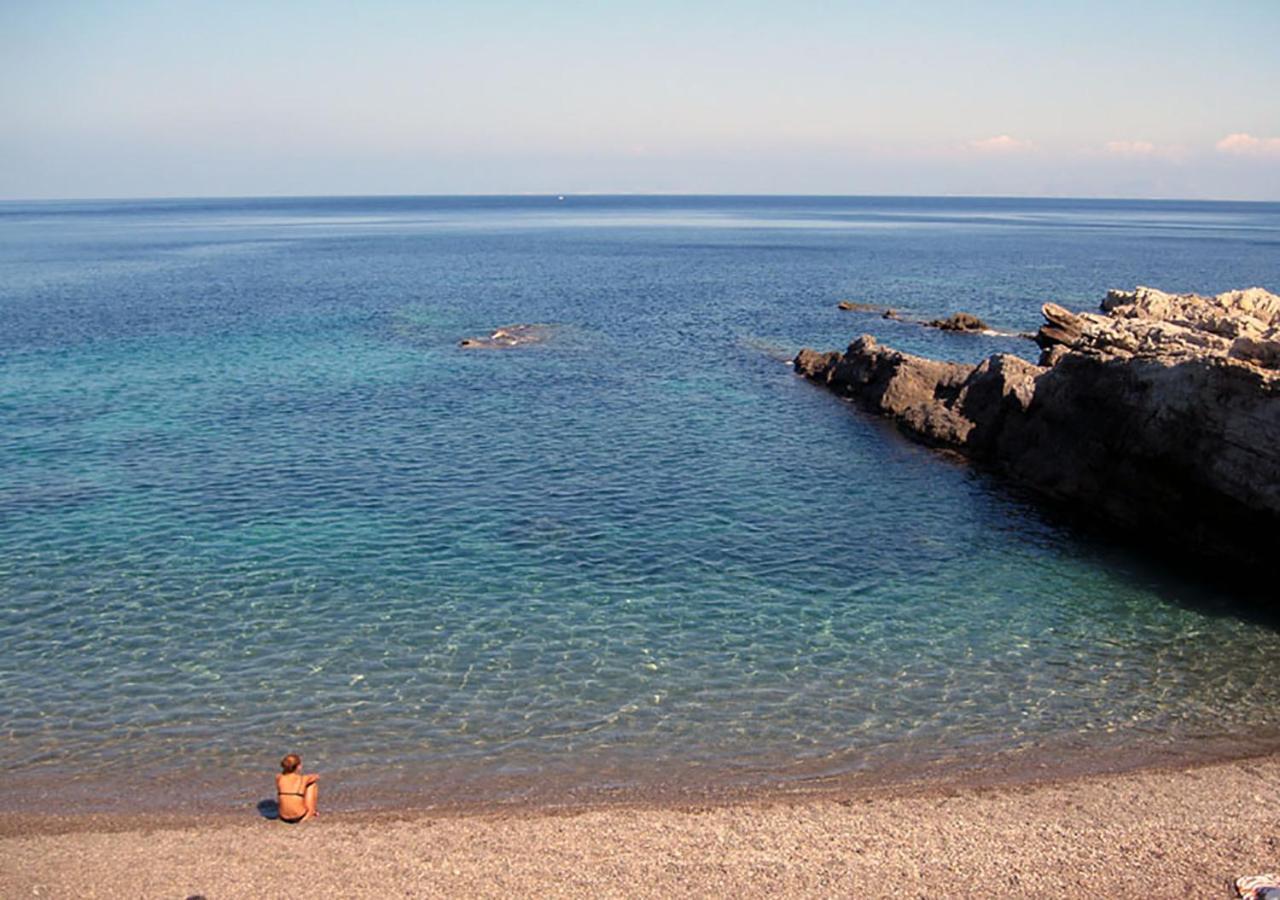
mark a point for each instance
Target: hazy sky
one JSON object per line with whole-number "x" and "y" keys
{"x": 1111, "y": 98}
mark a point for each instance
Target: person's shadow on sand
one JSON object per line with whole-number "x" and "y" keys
{"x": 268, "y": 809}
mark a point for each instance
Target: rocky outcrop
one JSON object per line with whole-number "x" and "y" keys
{"x": 1148, "y": 324}
{"x": 1161, "y": 414}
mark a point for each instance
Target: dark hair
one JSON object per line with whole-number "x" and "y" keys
{"x": 290, "y": 763}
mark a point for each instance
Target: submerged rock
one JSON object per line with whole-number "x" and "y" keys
{"x": 961, "y": 321}
{"x": 1163, "y": 414}
{"x": 852, "y": 306}
{"x": 508, "y": 336}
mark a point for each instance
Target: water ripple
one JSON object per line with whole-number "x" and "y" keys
{"x": 256, "y": 498}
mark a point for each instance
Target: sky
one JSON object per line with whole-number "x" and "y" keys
{"x": 1173, "y": 99}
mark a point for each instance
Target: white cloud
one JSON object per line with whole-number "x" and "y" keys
{"x": 1241, "y": 144}
{"x": 1001, "y": 144}
{"x": 1130, "y": 148}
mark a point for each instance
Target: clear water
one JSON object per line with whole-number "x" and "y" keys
{"x": 254, "y": 498}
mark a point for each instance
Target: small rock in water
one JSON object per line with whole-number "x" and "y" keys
{"x": 852, "y": 306}
{"x": 961, "y": 321}
{"x": 508, "y": 336}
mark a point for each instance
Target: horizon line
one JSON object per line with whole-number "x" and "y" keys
{"x": 621, "y": 194}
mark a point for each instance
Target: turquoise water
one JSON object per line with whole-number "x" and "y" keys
{"x": 254, "y": 498}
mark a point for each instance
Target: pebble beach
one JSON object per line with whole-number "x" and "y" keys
{"x": 1184, "y": 832}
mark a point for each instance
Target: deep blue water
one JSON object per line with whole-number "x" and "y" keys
{"x": 254, "y": 498}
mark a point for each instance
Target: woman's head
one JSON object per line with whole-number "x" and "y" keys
{"x": 290, "y": 763}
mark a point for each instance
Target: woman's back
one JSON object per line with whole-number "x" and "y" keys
{"x": 291, "y": 788}
{"x": 296, "y": 794}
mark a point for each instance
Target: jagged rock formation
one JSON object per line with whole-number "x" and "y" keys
{"x": 1242, "y": 325}
{"x": 1161, "y": 415}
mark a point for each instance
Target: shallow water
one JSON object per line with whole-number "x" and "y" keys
{"x": 253, "y": 497}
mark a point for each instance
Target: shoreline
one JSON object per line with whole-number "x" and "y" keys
{"x": 946, "y": 780}
{"x": 1165, "y": 830}
{"x": 234, "y": 795}
{"x": 840, "y": 790}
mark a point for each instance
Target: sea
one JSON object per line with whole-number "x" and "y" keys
{"x": 255, "y": 498}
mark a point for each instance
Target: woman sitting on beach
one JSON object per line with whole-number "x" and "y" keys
{"x": 296, "y": 793}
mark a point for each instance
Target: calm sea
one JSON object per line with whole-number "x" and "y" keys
{"x": 254, "y": 498}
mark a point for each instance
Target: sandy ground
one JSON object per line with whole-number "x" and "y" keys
{"x": 1180, "y": 833}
